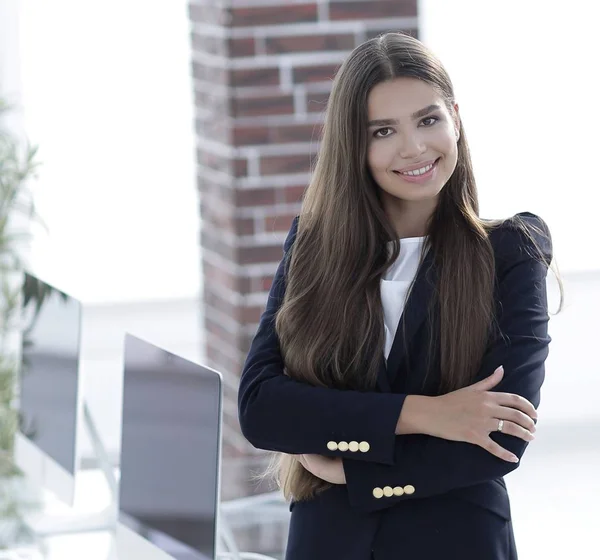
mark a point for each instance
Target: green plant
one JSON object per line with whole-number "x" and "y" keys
{"x": 17, "y": 210}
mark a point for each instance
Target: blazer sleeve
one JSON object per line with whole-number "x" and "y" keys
{"x": 429, "y": 465}
{"x": 278, "y": 413}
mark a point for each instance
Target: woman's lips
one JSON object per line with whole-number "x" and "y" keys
{"x": 419, "y": 178}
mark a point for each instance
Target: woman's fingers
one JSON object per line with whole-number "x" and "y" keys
{"x": 489, "y": 382}
{"x": 515, "y": 416}
{"x": 517, "y": 402}
{"x": 492, "y": 447}
{"x": 511, "y": 429}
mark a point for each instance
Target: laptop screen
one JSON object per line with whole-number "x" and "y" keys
{"x": 170, "y": 451}
{"x": 49, "y": 381}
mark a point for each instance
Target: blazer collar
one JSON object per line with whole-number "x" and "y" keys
{"x": 412, "y": 318}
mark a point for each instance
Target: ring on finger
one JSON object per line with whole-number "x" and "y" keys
{"x": 500, "y": 425}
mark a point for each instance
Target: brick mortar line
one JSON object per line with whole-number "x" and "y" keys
{"x": 278, "y": 180}
{"x": 250, "y": 328}
{"x": 262, "y": 181}
{"x": 253, "y": 299}
{"x": 226, "y": 150}
{"x": 258, "y": 150}
{"x": 323, "y": 10}
{"x": 251, "y": 183}
{"x": 309, "y": 28}
{"x": 265, "y": 182}
{"x": 269, "y": 211}
{"x": 249, "y": 92}
{"x": 300, "y": 102}
{"x": 230, "y": 349}
{"x": 218, "y": 177}
{"x": 258, "y": 240}
{"x": 253, "y": 241}
{"x": 224, "y": 4}
{"x": 316, "y": 58}
{"x": 227, "y": 322}
{"x": 247, "y": 270}
{"x": 275, "y": 120}
{"x": 252, "y": 155}
{"x": 283, "y": 149}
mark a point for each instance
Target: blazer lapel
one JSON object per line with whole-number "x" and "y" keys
{"x": 412, "y": 318}
{"x": 383, "y": 382}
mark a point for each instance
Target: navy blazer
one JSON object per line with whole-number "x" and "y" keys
{"x": 441, "y": 499}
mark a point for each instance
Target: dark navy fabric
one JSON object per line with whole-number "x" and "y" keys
{"x": 460, "y": 507}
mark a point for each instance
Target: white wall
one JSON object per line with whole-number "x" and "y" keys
{"x": 525, "y": 78}
{"x": 10, "y": 75}
{"x": 108, "y": 98}
{"x": 107, "y": 95}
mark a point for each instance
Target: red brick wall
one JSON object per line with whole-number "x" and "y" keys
{"x": 262, "y": 74}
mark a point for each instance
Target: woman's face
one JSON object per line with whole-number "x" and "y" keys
{"x": 412, "y": 149}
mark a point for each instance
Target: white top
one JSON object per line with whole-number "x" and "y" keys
{"x": 395, "y": 284}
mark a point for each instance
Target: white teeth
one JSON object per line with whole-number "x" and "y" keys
{"x": 417, "y": 171}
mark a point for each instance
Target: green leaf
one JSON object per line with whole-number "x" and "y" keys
{"x": 18, "y": 165}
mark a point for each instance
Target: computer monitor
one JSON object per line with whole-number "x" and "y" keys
{"x": 170, "y": 456}
{"x": 50, "y": 396}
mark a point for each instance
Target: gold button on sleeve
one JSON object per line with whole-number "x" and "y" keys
{"x": 343, "y": 446}
{"x": 332, "y": 446}
{"x": 388, "y": 492}
{"x": 409, "y": 489}
{"x": 378, "y": 493}
{"x": 364, "y": 446}
{"x": 353, "y": 446}
{"x": 398, "y": 490}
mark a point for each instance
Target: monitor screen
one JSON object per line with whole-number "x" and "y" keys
{"x": 170, "y": 450}
{"x": 49, "y": 380}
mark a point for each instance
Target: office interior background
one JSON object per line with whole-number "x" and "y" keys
{"x": 168, "y": 188}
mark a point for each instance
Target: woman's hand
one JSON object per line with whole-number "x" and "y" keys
{"x": 328, "y": 469}
{"x": 472, "y": 413}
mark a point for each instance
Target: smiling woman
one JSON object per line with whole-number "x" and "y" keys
{"x": 416, "y": 146}
{"x": 397, "y": 368}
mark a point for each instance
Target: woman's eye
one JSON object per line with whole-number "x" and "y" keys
{"x": 387, "y": 131}
{"x": 378, "y": 135}
{"x": 433, "y": 119}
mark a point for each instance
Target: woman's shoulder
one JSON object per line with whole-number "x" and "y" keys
{"x": 525, "y": 232}
{"x": 521, "y": 217}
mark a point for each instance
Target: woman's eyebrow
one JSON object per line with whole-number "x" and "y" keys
{"x": 416, "y": 115}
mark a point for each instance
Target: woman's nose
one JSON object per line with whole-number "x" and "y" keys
{"x": 410, "y": 146}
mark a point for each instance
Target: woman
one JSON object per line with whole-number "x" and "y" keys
{"x": 398, "y": 364}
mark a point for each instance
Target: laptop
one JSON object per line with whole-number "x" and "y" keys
{"x": 170, "y": 456}
{"x": 47, "y": 444}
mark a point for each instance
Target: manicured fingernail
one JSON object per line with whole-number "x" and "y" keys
{"x": 514, "y": 459}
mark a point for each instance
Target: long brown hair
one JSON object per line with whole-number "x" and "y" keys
{"x": 330, "y": 324}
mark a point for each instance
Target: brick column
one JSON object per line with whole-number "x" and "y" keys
{"x": 262, "y": 74}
